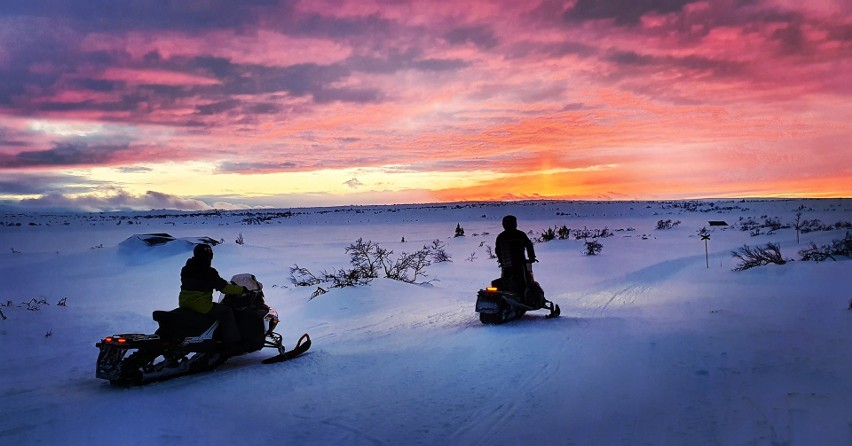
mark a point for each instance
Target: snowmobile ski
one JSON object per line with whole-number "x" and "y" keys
{"x": 301, "y": 347}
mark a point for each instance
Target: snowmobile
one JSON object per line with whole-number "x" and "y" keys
{"x": 186, "y": 341}
{"x": 501, "y": 303}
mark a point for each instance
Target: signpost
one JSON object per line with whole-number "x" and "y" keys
{"x": 706, "y": 238}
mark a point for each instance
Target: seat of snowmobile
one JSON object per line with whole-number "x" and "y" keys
{"x": 182, "y": 322}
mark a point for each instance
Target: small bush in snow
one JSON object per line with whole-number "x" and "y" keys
{"x": 815, "y": 254}
{"x": 774, "y": 224}
{"x": 438, "y": 252}
{"x": 837, "y": 248}
{"x": 489, "y": 251}
{"x": 240, "y": 240}
{"x": 346, "y": 277}
{"x": 586, "y": 233}
{"x": 815, "y": 225}
{"x": 459, "y": 230}
{"x": 797, "y": 223}
{"x": 667, "y": 224}
{"x": 752, "y": 226}
{"x": 36, "y": 304}
{"x": 370, "y": 261}
{"x": 302, "y": 277}
{"x": 758, "y": 256}
{"x": 554, "y": 233}
{"x": 408, "y": 267}
{"x": 593, "y": 248}
{"x": 319, "y": 292}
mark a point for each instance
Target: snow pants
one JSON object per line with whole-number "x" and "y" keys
{"x": 227, "y": 323}
{"x": 514, "y": 279}
{"x": 519, "y": 281}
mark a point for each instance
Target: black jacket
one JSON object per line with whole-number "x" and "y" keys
{"x": 198, "y": 275}
{"x": 197, "y": 281}
{"x": 510, "y": 248}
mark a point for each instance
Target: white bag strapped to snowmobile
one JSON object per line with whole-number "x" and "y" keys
{"x": 247, "y": 280}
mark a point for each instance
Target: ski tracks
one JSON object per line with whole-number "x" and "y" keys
{"x": 625, "y": 296}
{"x": 629, "y": 288}
{"x": 510, "y": 404}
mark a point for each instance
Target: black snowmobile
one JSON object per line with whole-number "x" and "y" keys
{"x": 187, "y": 341}
{"x": 501, "y": 303}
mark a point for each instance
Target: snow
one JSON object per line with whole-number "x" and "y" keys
{"x": 653, "y": 347}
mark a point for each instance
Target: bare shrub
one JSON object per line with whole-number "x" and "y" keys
{"x": 554, "y": 233}
{"x": 843, "y": 246}
{"x": 748, "y": 224}
{"x": 593, "y": 248}
{"x": 302, "y": 277}
{"x": 837, "y": 248}
{"x": 408, "y": 267}
{"x": 368, "y": 257}
{"x": 318, "y": 292}
{"x": 439, "y": 252}
{"x": 667, "y": 224}
{"x": 347, "y": 277}
{"x": 770, "y": 224}
{"x": 816, "y": 254}
{"x": 587, "y": 233}
{"x": 489, "y": 251}
{"x": 369, "y": 261}
{"x": 797, "y": 223}
{"x": 758, "y": 256}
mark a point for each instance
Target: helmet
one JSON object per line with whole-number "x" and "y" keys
{"x": 510, "y": 222}
{"x": 203, "y": 251}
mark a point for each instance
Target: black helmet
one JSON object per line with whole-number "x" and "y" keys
{"x": 510, "y": 222}
{"x": 203, "y": 251}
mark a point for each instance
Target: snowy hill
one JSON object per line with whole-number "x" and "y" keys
{"x": 653, "y": 346}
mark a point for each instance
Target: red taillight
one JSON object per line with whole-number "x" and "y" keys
{"x": 114, "y": 340}
{"x": 491, "y": 289}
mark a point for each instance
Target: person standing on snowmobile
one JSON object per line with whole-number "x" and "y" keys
{"x": 511, "y": 247}
{"x": 198, "y": 279}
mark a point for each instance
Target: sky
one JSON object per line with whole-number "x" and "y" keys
{"x": 108, "y": 105}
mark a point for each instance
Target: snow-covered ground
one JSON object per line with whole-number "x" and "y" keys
{"x": 653, "y": 347}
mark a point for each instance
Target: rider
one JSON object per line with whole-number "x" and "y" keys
{"x": 510, "y": 248}
{"x": 197, "y": 281}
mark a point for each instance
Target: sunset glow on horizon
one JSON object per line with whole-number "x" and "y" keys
{"x": 196, "y": 105}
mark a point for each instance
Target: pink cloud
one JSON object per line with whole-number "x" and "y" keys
{"x": 154, "y": 76}
{"x": 516, "y": 86}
